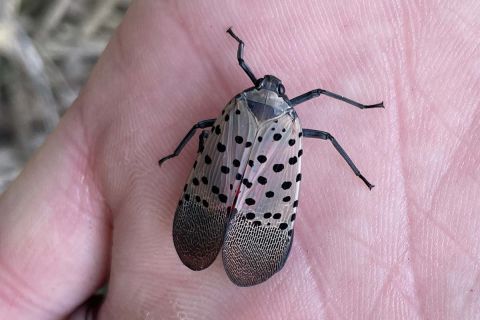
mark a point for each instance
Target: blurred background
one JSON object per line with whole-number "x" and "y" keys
{"x": 47, "y": 50}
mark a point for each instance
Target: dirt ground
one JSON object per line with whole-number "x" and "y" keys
{"x": 47, "y": 49}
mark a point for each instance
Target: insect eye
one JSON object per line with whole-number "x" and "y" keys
{"x": 281, "y": 89}
{"x": 259, "y": 83}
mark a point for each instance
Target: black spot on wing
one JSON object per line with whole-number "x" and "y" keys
{"x": 278, "y": 167}
{"x": 262, "y": 158}
{"x": 286, "y": 185}
{"x": 250, "y": 216}
{"x": 225, "y": 169}
{"x": 247, "y": 183}
{"x": 238, "y": 139}
{"x": 221, "y": 147}
{"x": 223, "y": 198}
{"x": 262, "y": 180}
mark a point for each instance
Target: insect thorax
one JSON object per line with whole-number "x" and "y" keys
{"x": 266, "y": 104}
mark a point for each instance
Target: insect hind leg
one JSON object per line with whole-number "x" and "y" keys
{"x": 310, "y": 133}
{"x": 242, "y": 63}
{"x": 200, "y": 125}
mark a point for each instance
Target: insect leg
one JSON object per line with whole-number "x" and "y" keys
{"x": 242, "y": 63}
{"x": 200, "y": 125}
{"x": 317, "y": 92}
{"x": 310, "y": 133}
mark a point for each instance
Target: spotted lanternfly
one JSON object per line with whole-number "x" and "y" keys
{"x": 242, "y": 193}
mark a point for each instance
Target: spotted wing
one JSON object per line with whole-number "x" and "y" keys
{"x": 260, "y": 233}
{"x": 202, "y": 214}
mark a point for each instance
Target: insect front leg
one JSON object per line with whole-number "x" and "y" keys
{"x": 317, "y": 92}
{"x": 242, "y": 63}
{"x": 310, "y": 133}
{"x": 200, "y": 125}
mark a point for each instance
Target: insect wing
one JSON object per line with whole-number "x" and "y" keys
{"x": 260, "y": 233}
{"x": 203, "y": 212}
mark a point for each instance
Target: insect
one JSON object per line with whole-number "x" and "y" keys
{"x": 242, "y": 194}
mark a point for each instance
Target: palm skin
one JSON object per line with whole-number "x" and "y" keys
{"x": 92, "y": 205}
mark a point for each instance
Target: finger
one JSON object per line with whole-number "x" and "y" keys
{"x": 54, "y": 230}
{"x": 88, "y": 310}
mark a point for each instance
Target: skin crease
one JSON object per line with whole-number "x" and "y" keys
{"x": 93, "y": 205}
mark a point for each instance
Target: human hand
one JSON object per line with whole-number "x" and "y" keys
{"x": 92, "y": 205}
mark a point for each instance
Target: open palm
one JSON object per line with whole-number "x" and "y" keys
{"x": 92, "y": 205}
